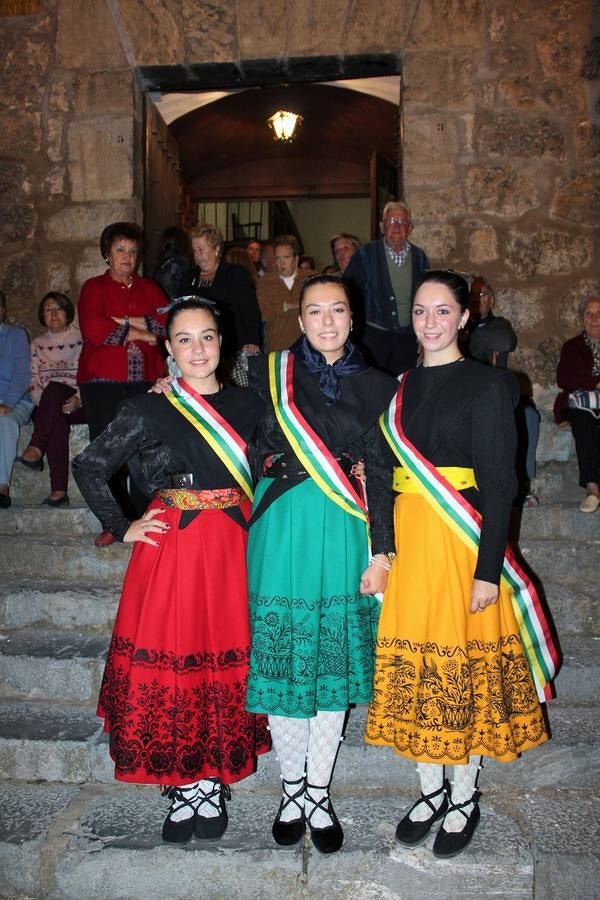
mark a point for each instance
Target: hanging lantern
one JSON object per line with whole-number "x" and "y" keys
{"x": 284, "y": 125}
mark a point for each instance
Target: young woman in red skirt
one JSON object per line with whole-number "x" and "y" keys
{"x": 174, "y": 686}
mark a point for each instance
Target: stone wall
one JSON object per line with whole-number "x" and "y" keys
{"x": 501, "y": 133}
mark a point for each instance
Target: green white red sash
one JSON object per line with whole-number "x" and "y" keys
{"x": 316, "y": 459}
{"x": 540, "y": 649}
{"x": 218, "y": 433}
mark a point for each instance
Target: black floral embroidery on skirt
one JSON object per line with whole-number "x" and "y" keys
{"x": 166, "y": 659}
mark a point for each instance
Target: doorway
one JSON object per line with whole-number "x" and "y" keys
{"x": 207, "y": 142}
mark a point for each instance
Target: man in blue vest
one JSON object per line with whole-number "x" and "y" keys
{"x": 387, "y": 271}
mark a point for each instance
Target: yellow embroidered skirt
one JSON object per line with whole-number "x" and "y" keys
{"x": 448, "y": 683}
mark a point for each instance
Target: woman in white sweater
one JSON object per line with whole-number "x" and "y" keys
{"x": 53, "y": 389}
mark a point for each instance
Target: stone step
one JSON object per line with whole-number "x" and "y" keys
{"x": 59, "y": 604}
{"x": 556, "y": 520}
{"x": 562, "y": 560}
{"x": 69, "y": 843}
{"x": 54, "y": 742}
{"x": 574, "y": 607}
{"x": 50, "y": 664}
{"x": 42, "y": 664}
{"x": 30, "y": 520}
{"x": 28, "y": 487}
{"x": 63, "y": 557}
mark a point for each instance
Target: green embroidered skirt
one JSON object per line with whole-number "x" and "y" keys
{"x": 313, "y": 633}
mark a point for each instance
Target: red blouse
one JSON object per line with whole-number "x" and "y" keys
{"x": 101, "y": 298}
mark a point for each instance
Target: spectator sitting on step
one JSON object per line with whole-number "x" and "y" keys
{"x": 578, "y": 375}
{"x": 54, "y": 392}
{"x": 121, "y": 355}
{"x": 489, "y": 340}
{"x": 279, "y": 295}
{"x": 15, "y": 403}
{"x": 343, "y": 247}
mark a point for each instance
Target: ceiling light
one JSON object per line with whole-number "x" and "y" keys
{"x": 284, "y": 125}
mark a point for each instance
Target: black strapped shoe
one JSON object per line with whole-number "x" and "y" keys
{"x": 330, "y": 838}
{"x": 287, "y": 833}
{"x": 214, "y": 827}
{"x": 179, "y": 832}
{"x": 410, "y": 833}
{"x": 450, "y": 843}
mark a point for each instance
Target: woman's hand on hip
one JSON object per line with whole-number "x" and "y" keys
{"x": 483, "y": 594}
{"x": 138, "y": 530}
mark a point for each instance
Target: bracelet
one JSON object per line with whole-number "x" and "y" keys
{"x": 379, "y": 562}
{"x": 126, "y": 321}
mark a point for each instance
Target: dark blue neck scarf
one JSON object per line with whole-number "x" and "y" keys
{"x": 349, "y": 363}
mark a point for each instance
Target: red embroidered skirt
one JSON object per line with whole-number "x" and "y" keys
{"x": 174, "y": 686}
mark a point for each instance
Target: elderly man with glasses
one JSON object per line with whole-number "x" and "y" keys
{"x": 387, "y": 271}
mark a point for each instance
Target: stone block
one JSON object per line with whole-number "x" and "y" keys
{"x": 577, "y": 199}
{"x": 500, "y": 190}
{"x": 54, "y": 138}
{"x": 523, "y": 307}
{"x": 20, "y": 132}
{"x": 18, "y": 280}
{"x": 59, "y": 99}
{"x": 85, "y": 222}
{"x": 483, "y": 245}
{"x": 556, "y": 560}
{"x": 58, "y": 277}
{"x": 431, "y": 146}
{"x": 154, "y": 31}
{"x": 58, "y": 558}
{"x": 270, "y": 38}
{"x": 568, "y": 306}
{"x": 305, "y": 31}
{"x": 528, "y": 137}
{"x": 24, "y": 69}
{"x": 442, "y": 80}
{"x": 17, "y": 213}
{"x": 438, "y": 240}
{"x": 548, "y": 253}
{"x": 100, "y": 93}
{"x": 586, "y": 136}
{"x": 47, "y": 679}
{"x": 89, "y": 265}
{"x": 447, "y": 23}
{"x": 54, "y": 182}
{"x": 388, "y": 29}
{"x": 87, "y": 37}
{"x": 101, "y": 159}
{"x": 542, "y": 96}
{"x": 561, "y": 52}
{"x": 73, "y": 606}
{"x": 436, "y": 205}
{"x": 210, "y": 33}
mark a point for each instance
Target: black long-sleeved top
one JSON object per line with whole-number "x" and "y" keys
{"x": 233, "y": 292}
{"x": 462, "y": 414}
{"x": 164, "y": 444}
{"x": 347, "y": 426}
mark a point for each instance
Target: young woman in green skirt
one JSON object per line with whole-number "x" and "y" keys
{"x": 312, "y": 575}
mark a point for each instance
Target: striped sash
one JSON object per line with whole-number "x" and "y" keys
{"x": 540, "y": 649}
{"x": 316, "y": 459}
{"x": 216, "y": 431}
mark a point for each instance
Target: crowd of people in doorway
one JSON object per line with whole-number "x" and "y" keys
{"x": 264, "y": 595}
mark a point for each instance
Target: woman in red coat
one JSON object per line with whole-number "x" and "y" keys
{"x": 121, "y": 354}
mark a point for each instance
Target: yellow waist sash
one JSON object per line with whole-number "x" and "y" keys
{"x": 459, "y": 478}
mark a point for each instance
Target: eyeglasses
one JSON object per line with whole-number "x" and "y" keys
{"x": 394, "y": 220}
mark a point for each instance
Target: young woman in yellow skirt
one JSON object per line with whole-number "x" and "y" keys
{"x": 463, "y": 649}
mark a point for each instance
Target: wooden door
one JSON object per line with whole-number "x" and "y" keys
{"x": 384, "y": 187}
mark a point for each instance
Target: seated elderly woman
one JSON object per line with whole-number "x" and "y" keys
{"x": 578, "y": 375}
{"x": 53, "y": 390}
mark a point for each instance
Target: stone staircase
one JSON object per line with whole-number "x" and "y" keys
{"x": 68, "y": 830}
